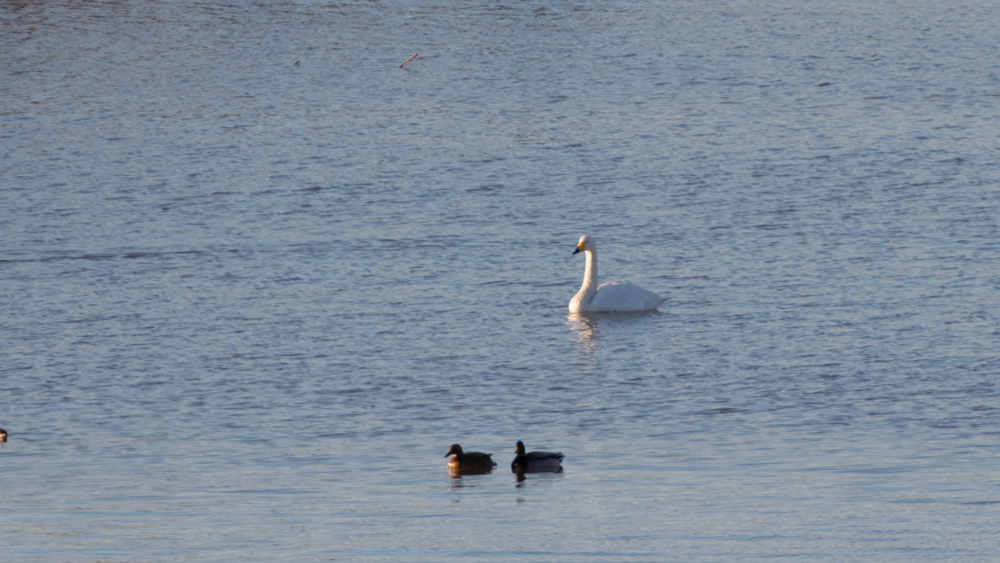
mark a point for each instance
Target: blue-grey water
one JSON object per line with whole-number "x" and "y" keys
{"x": 255, "y": 278}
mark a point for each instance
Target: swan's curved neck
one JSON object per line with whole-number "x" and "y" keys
{"x": 581, "y": 301}
{"x": 590, "y": 274}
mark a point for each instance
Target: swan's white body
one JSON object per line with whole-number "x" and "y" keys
{"x": 610, "y": 296}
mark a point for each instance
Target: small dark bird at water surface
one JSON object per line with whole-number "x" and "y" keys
{"x": 468, "y": 463}
{"x": 535, "y": 462}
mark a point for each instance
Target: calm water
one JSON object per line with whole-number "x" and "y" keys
{"x": 255, "y": 279}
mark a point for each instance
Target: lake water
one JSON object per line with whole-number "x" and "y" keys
{"x": 255, "y": 279}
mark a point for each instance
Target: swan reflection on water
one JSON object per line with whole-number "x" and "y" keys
{"x": 585, "y": 327}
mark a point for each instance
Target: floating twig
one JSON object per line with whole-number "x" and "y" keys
{"x": 408, "y": 60}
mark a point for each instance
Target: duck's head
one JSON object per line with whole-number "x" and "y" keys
{"x": 3, "y": 435}
{"x": 519, "y": 448}
{"x": 586, "y": 243}
{"x": 454, "y": 449}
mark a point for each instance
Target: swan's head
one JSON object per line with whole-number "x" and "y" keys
{"x": 454, "y": 449}
{"x": 586, "y": 243}
{"x": 519, "y": 448}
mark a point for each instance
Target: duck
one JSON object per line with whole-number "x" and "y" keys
{"x": 535, "y": 462}
{"x": 468, "y": 463}
{"x": 3, "y": 435}
{"x": 608, "y": 297}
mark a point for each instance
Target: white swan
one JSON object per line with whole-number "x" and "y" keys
{"x": 609, "y": 296}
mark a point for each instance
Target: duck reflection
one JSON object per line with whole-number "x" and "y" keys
{"x": 460, "y": 472}
{"x": 520, "y": 477}
{"x": 458, "y": 482}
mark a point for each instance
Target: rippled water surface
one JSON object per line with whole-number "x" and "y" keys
{"x": 255, "y": 278}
